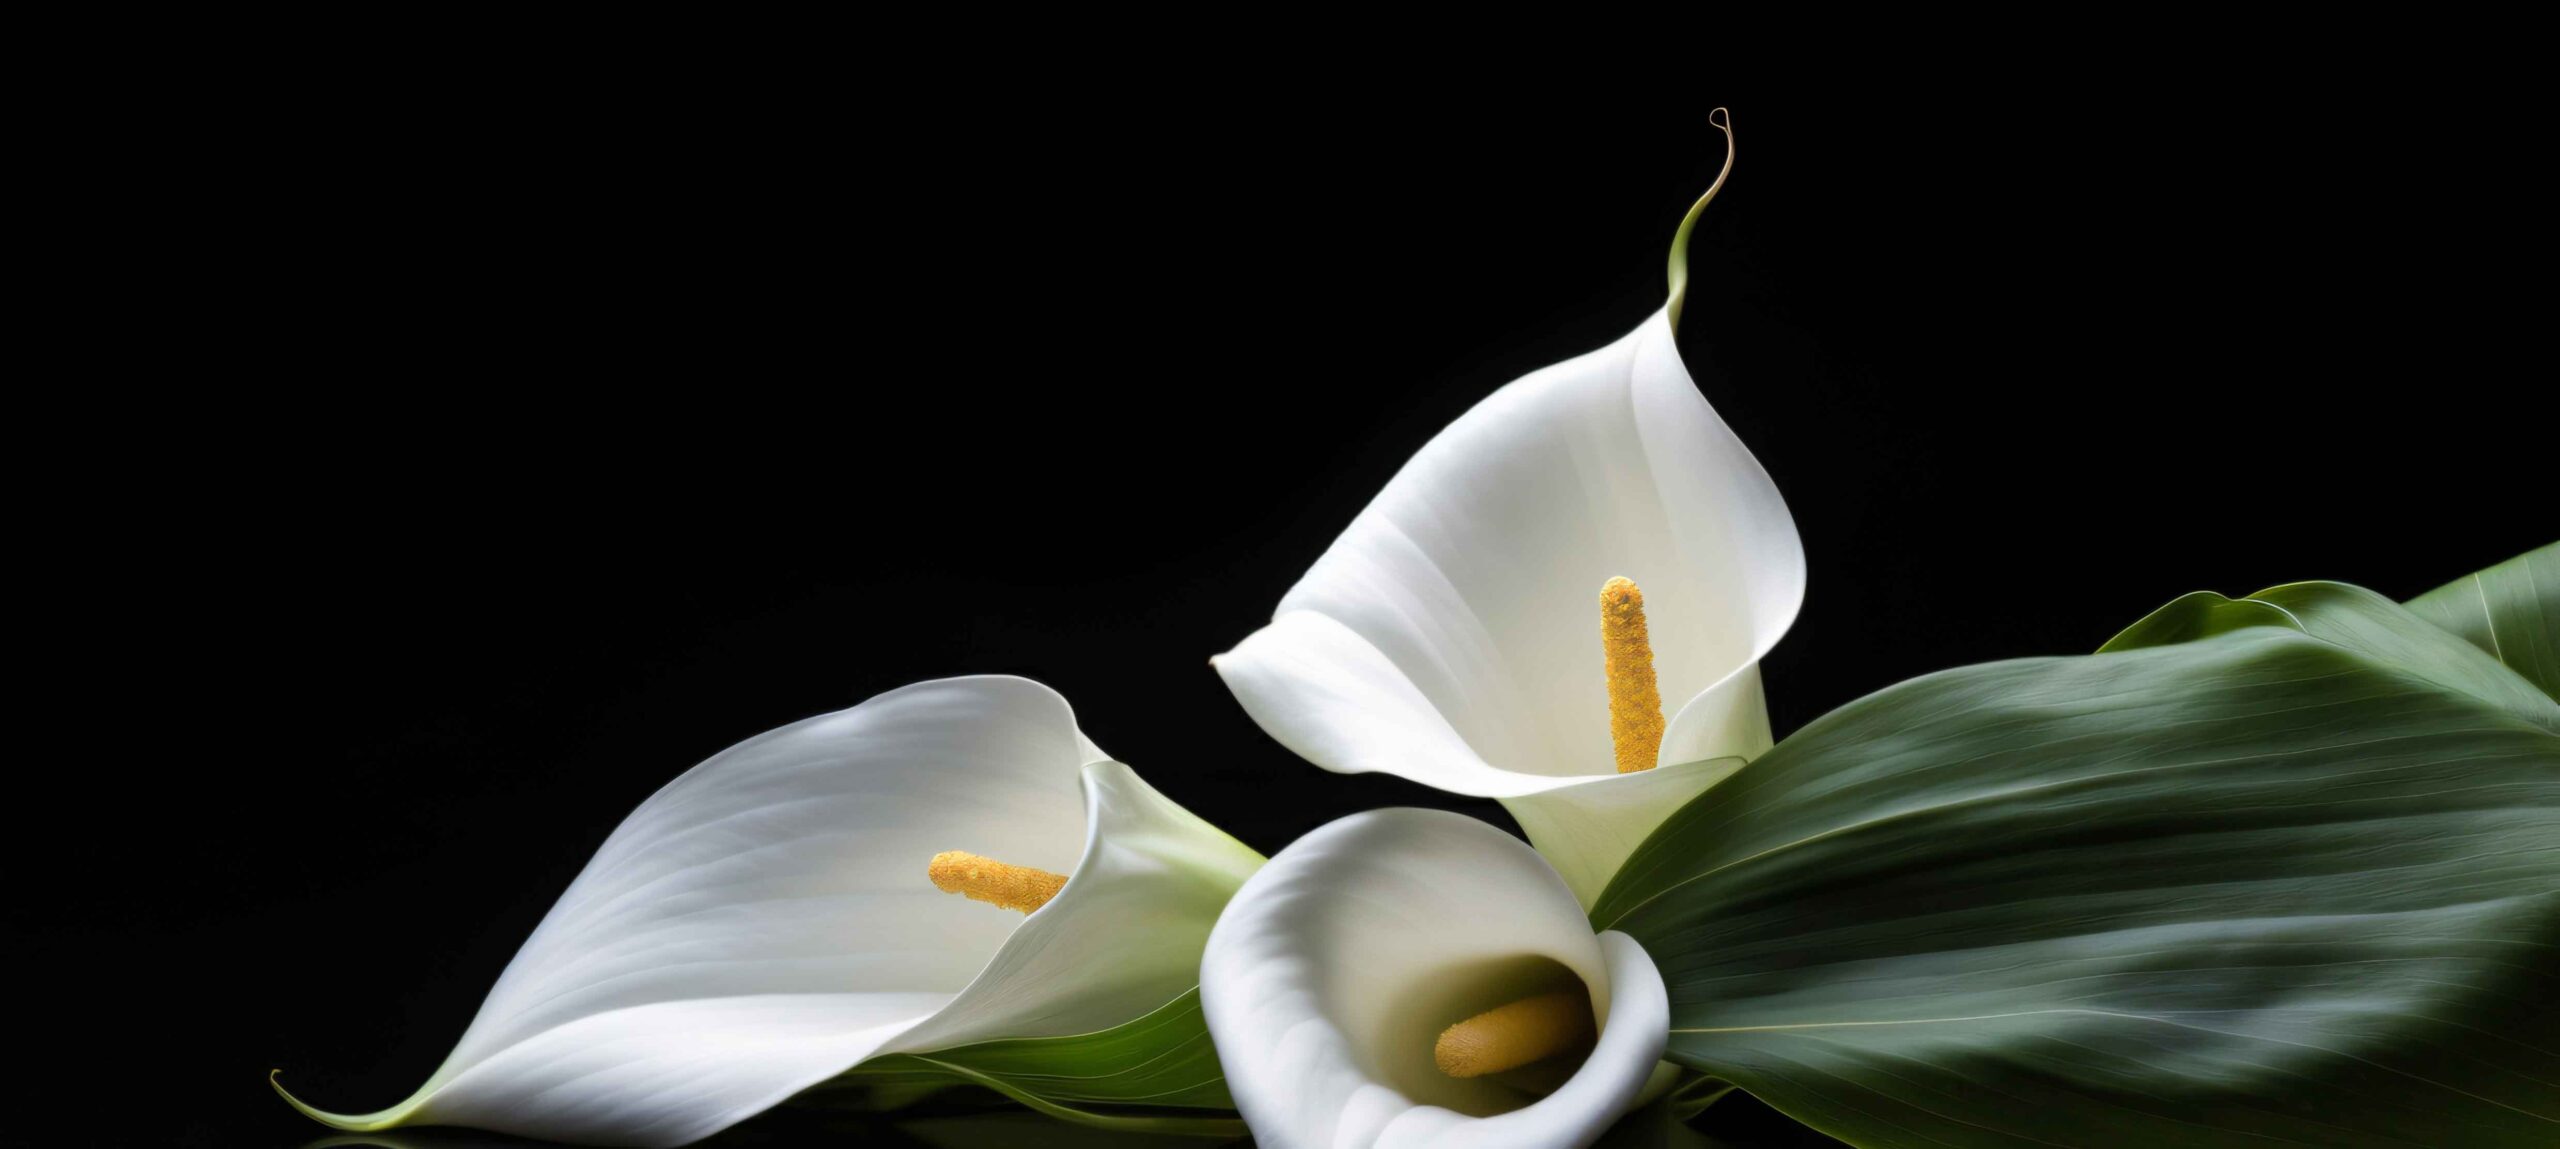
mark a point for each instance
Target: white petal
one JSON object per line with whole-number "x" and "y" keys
{"x": 1335, "y": 700}
{"x": 763, "y": 922}
{"x": 1451, "y": 635}
{"x": 1586, "y": 832}
{"x": 1334, "y": 969}
{"x": 1122, "y": 938}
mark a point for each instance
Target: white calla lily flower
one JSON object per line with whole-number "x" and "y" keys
{"x": 1448, "y": 635}
{"x": 1356, "y": 977}
{"x": 765, "y": 922}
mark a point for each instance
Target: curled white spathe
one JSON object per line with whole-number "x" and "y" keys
{"x": 764, "y": 922}
{"x": 1451, "y": 634}
{"x": 1334, "y": 968}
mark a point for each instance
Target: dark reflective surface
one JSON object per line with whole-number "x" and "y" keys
{"x": 1736, "y": 1123}
{"x": 574, "y": 428}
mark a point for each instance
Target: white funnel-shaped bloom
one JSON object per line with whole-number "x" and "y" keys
{"x": 764, "y": 922}
{"x": 1338, "y": 965}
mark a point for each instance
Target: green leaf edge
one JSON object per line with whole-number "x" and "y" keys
{"x": 2201, "y": 614}
{"x": 2452, "y": 607}
{"x": 949, "y": 1065}
{"x": 2356, "y": 619}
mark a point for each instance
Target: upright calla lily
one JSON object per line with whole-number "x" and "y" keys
{"x": 1416, "y": 977}
{"x": 1449, "y": 634}
{"x": 770, "y": 919}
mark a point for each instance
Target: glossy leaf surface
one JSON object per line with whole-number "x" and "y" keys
{"x": 2256, "y": 888}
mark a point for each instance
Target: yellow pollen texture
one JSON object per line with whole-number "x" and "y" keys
{"x": 1635, "y": 704}
{"x": 1510, "y": 1036}
{"x": 995, "y": 883}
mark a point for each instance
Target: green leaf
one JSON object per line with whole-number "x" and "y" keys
{"x": 2201, "y": 614}
{"x": 2511, "y": 610}
{"x": 2358, "y": 620}
{"x": 1157, "y": 1074}
{"x": 2254, "y": 889}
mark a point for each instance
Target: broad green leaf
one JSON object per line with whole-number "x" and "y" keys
{"x": 2256, "y": 889}
{"x": 2511, "y": 610}
{"x": 2354, "y": 618}
{"x": 1157, "y": 1074}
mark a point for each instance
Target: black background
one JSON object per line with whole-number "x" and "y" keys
{"x": 527, "y": 448}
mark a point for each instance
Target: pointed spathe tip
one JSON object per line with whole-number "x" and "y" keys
{"x": 355, "y": 1123}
